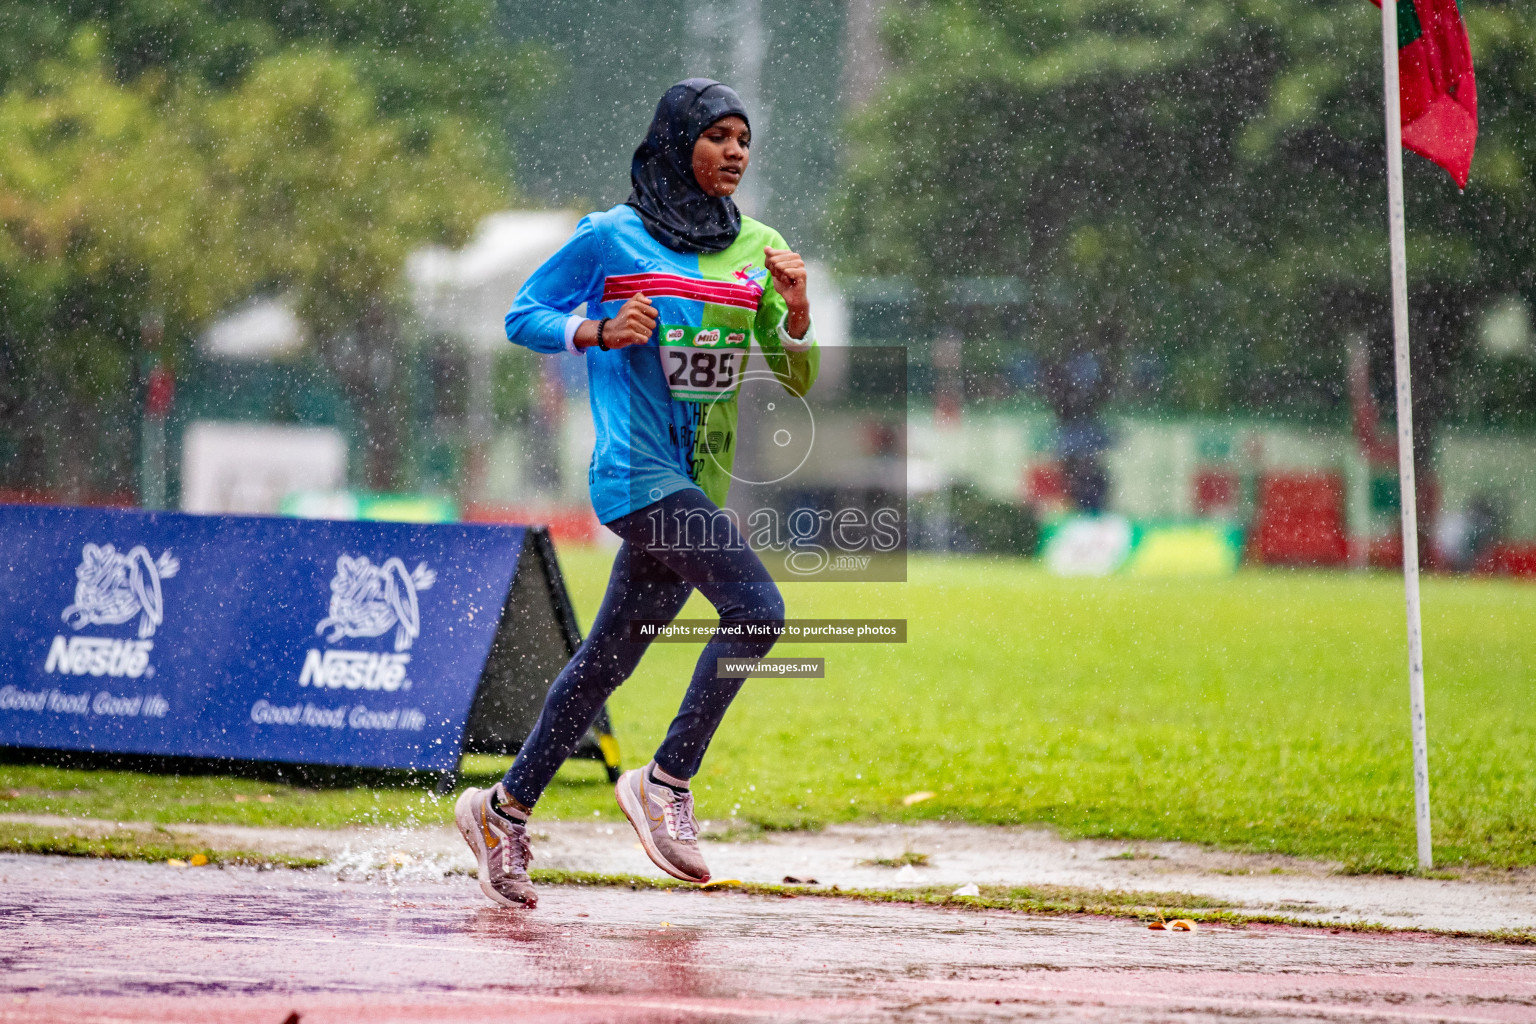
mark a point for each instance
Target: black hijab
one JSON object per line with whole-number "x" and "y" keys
{"x": 676, "y": 211}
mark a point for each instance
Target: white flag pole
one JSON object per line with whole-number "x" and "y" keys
{"x": 1406, "y": 487}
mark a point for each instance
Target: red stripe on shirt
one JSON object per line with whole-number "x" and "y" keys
{"x": 723, "y": 293}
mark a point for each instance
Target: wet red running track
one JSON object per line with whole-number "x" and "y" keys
{"x": 89, "y": 941}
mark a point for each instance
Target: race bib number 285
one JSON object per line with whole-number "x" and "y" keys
{"x": 702, "y": 364}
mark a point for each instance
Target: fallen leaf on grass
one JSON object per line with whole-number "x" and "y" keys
{"x": 721, "y": 883}
{"x": 917, "y": 798}
{"x": 175, "y": 862}
{"x": 199, "y": 859}
{"x": 968, "y": 889}
{"x": 1181, "y": 925}
{"x": 265, "y": 798}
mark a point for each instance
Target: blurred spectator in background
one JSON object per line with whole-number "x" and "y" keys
{"x": 1465, "y": 536}
{"x": 1076, "y": 388}
{"x": 1485, "y": 525}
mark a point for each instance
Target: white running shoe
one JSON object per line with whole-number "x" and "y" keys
{"x": 501, "y": 849}
{"x": 663, "y": 819}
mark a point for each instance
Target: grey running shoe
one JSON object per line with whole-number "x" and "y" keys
{"x": 663, "y": 819}
{"x": 501, "y": 849}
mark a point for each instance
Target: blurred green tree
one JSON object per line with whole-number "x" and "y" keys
{"x": 420, "y": 58}
{"x": 326, "y": 197}
{"x": 1201, "y": 183}
{"x": 162, "y": 160}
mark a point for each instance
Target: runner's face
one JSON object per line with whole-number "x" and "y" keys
{"x": 720, "y": 156}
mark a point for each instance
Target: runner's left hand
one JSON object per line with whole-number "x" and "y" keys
{"x": 788, "y": 271}
{"x": 789, "y": 274}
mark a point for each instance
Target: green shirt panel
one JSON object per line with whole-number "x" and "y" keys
{"x": 715, "y": 436}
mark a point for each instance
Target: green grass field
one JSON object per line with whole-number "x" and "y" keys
{"x": 1265, "y": 712}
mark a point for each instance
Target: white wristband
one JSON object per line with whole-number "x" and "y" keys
{"x": 796, "y": 344}
{"x": 571, "y": 323}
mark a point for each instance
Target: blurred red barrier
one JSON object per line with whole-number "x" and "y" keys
{"x": 1300, "y": 520}
{"x": 1385, "y": 552}
{"x": 1216, "y": 491}
{"x": 567, "y": 524}
{"x": 1508, "y": 560}
{"x": 120, "y": 499}
{"x": 1044, "y": 484}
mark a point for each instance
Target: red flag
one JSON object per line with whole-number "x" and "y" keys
{"x": 1434, "y": 78}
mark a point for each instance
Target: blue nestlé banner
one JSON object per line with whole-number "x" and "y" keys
{"x": 344, "y": 643}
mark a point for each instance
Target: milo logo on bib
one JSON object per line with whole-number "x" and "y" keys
{"x": 702, "y": 364}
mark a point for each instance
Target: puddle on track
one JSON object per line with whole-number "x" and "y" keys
{"x": 108, "y": 941}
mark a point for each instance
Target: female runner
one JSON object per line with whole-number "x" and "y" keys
{"x": 676, "y": 284}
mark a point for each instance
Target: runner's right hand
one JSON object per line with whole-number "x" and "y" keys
{"x": 634, "y": 324}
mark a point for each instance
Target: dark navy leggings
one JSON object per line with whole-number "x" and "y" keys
{"x": 653, "y": 575}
